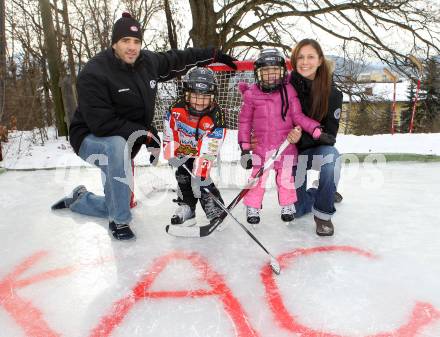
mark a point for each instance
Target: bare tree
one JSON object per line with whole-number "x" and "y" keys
{"x": 68, "y": 41}
{"x": 205, "y": 20}
{"x": 362, "y": 24}
{"x": 91, "y": 23}
{"x": 150, "y": 15}
{"x": 83, "y": 28}
{"x": 2, "y": 57}
{"x": 54, "y": 62}
{"x": 171, "y": 25}
{"x": 27, "y": 91}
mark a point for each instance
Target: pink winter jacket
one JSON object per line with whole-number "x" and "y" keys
{"x": 261, "y": 114}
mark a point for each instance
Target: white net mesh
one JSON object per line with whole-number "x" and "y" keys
{"x": 229, "y": 97}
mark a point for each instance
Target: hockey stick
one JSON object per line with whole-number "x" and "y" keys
{"x": 208, "y": 229}
{"x": 274, "y": 265}
{"x": 419, "y": 70}
{"x": 393, "y": 78}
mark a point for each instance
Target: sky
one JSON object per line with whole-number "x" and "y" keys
{"x": 393, "y": 37}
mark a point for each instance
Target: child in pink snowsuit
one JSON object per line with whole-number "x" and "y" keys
{"x": 270, "y": 110}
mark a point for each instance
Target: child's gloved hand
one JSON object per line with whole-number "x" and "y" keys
{"x": 246, "y": 159}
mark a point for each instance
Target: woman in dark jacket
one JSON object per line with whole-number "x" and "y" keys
{"x": 321, "y": 101}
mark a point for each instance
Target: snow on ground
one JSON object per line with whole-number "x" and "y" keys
{"x": 62, "y": 275}
{"x": 24, "y": 151}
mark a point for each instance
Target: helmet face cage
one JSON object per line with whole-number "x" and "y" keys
{"x": 270, "y": 70}
{"x": 200, "y": 90}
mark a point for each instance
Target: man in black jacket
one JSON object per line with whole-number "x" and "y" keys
{"x": 116, "y": 97}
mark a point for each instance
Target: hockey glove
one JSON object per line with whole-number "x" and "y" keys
{"x": 327, "y": 139}
{"x": 153, "y": 145}
{"x": 221, "y": 57}
{"x": 246, "y": 159}
{"x": 323, "y": 137}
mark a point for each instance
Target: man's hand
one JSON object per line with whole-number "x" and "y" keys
{"x": 153, "y": 146}
{"x": 221, "y": 57}
{"x": 294, "y": 135}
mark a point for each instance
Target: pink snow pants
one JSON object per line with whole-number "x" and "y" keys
{"x": 285, "y": 186}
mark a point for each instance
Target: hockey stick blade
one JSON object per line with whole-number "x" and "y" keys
{"x": 206, "y": 230}
{"x": 190, "y": 232}
{"x": 196, "y": 232}
{"x": 274, "y": 265}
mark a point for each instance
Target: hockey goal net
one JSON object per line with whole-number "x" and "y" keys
{"x": 229, "y": 97}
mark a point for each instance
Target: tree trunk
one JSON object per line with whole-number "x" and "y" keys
{"x": 58, "y": 33}
{"x": 171, "y": 26}
{"x": 2, "y": 58}
{"x": 203, "y": 32}
{"x": 47, "y": 103}
{"x": 68, "y": 42}
{"x": 54, "y": 64}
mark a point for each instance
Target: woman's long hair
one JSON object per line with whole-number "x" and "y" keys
{"x": 321, "y": 85}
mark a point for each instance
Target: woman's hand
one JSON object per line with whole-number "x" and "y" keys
{"x": 294, "y": 135}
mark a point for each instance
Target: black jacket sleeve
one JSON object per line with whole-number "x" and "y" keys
{"x": 100, "y": 116}
{"x": 331, "y": 122}
{"x": 177, "y": 62}
{"x": 218, "y": 117}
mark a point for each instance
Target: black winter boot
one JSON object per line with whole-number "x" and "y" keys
{"x": 288, "y": 213}
{"x": 338, "y": 197}
{"x": 121, "y": 231}
{"x": 253, "y": 215}
{"x": 70, "y": 199}
{"x": 184, "y": 215}
{"x": 324, "y": 227}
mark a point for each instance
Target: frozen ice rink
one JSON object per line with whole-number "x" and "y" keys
{"x": 379, "y": 275}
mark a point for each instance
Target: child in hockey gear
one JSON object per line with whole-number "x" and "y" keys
{"x": 270, "y": 111}
{"x": 194, "y": 130}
